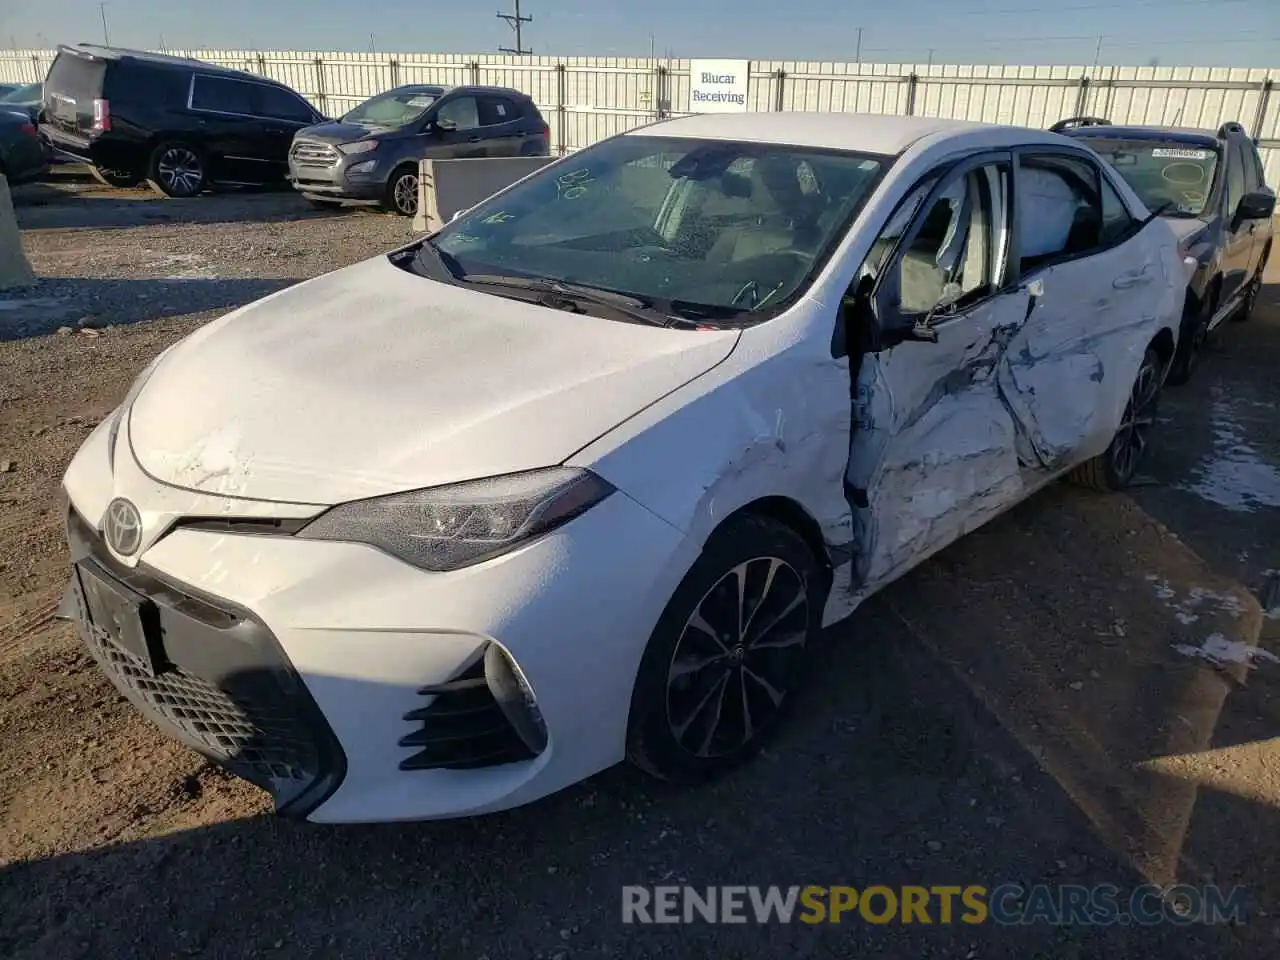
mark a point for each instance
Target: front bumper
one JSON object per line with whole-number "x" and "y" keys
{"x": 384, "y": 651}
{"x": 359, "y": 177}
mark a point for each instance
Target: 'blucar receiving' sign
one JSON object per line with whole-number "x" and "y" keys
{"x": 718, "y": 86}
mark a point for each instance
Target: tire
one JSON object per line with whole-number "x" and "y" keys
{"x": 690, "y": 726}
{"x": 1115, "y": 468}
{"x": 402, "y": 191}
{"x": 115, "y": 178}
{"x": 178, "y": 170}
{"x": 1191, "y": 343}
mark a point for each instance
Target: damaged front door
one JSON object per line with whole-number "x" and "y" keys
{"x": 932, "y": 454}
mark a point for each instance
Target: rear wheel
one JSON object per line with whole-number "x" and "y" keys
{"x": 177, "y": 170}
{"x": 728, "y": 656}
{"x": 402, "y": 191}
{"x": 110, "y": 177}
{"x": 1245, "y": 310}
{"x": 1115, "y": 468}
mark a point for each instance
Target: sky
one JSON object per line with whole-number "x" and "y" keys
{"x": 1243, "y": 33}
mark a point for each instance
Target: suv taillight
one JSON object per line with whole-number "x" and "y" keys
{"x": 546, "y": 130}
{"x": 29, "y": 129}
{"x": 101, "y": 115}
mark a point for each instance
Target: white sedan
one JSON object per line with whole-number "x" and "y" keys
{"x": 582, "y": 476}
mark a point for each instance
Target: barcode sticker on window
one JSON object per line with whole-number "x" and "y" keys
{"x": 1173, "y": 153}
{"x": 421, "y": 101}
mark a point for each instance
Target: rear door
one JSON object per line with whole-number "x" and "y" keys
{"x": 1093, "y": 284}
{"x": 1237, "y": 252}
{"x": 232, "y": 136}
{"x": 500, "y": 125}
{"x": 73, "y": 83}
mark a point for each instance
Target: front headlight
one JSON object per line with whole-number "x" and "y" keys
{"x": 446, "y": 528}
{"x": 359, "y": 146}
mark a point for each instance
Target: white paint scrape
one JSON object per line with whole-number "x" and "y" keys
{"x": 1218, "y": 649}
{"x": 1197, "y": 602}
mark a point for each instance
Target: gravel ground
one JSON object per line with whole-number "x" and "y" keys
{"x": 1016, "y": 710}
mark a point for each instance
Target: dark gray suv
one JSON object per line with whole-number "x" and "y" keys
{"x": 371, "y": 155}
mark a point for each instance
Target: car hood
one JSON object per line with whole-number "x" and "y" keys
{"x": 373, "y": 380}
{"x": 335, "y": 131}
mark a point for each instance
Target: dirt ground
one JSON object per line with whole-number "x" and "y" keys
{"x": 1035, "y": 705}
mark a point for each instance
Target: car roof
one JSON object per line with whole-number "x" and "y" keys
{"x": 482, "y": 88}
{"x": 163, "y": 60}
{"x": 861, "y": 132}
{"x": 1192, "y": 136}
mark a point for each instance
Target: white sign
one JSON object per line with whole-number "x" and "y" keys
{"x": 718, "y": 86}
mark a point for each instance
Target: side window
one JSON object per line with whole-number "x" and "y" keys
{"x": 1235, "y": 178}
{"x": 282, "y": 104}
{"x": 951, "y": 256}
{"x": 223, "y": 95}
{"x": 1059, "y": 209}
{"x": 898, "y": 223}
{"x": 462, "y": 111}
{"x": 1116, "y": 219}
{"x": 495, "y": 110}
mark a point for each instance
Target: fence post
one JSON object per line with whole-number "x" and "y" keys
{"x": 36, "y": 73}
{"x": 912, "y": 80}
{"x": 320, "y": 92}
{"x": 1260, "y": 118}
{"x": 395, "y": 72}
{"x": 561, "y": 95}
{"x": 1082, "y": 98}
{"x": 262, "y": 65}
{"x": 660, "y": 94}
{"x": 474, "y": 67}
{"x": 779, "y": 80}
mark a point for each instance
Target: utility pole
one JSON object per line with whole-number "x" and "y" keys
{"x": 858, "y": 55}
{"x": 515, "y": 20}
{"x": 102, "y": 9}
{"x": 1097, "y": 53}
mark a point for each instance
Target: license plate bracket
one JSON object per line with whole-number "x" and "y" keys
{"x": 130, "y": 620}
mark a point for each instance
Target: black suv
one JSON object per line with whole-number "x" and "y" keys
{"x": 371, "y": 154}
{"x": 1210, "y": 187}
{"x": 182, "y": 125}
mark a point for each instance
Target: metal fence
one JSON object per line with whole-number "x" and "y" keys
{"x": 588, "y": 98}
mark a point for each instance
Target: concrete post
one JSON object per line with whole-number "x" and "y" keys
{"x": 15, "y": 271}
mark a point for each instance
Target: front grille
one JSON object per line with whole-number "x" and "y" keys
{"x": 254, "y": 735}
{"x": 308, "y": 153}
{"x": 463, "y": 727}
{"x": 224, "y": 685}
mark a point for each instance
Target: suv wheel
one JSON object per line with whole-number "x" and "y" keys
{"x": 402, "y": 191}
{"x": 1195, "y": 331}
{"x": 176, "y": 170}
{"x": 1116, "y": 467}
{"x": 109, "y": 177}
{"x": 1245, "y": 310}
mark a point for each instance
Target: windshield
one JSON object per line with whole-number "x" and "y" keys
{"x": 734, "y": 227}
{"x": 1162, "y": 173}
{"x": 395, "y": 108}
{"x": 28, "y": 94}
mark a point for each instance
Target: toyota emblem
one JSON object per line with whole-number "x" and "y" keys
{"x": 123, "y": 527}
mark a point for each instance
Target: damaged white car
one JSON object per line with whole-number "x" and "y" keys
{"x": 582, "y": 476}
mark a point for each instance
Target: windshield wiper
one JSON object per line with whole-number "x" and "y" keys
{"x": 446, "y": 261}
{"x": 557, "y": 293}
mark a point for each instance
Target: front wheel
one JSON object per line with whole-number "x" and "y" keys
{"x": 402, "y": 192}
{"x": 1192, "y": 342}
{"x": 1115, "y": 468}
{"x": 728, "y": 655}
{"x": 177, "y": 170}
{"x": 1245, "y": 310}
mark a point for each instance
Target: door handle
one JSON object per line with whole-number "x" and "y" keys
{"x": 473, "y": 140}
{"x": 274, "y": 130}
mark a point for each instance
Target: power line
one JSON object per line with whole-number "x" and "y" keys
{"x": 515, "y": 21}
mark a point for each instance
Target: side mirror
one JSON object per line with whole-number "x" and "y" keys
{"x": 855, "y": 319}
{"x": 444, "y": 125}
{"x": 458, "y": 214}
{"x": 1259, "y": 205}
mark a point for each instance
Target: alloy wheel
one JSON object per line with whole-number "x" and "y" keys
{"x": 180, "y": 171}
{"x": 405, "y": 194}
{"x": 1131, "y": 439}
{"x": 737, "y": 657}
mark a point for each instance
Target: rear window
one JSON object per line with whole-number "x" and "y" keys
{"x": 1162, "y": 172}
{"x": 76, "y": 77}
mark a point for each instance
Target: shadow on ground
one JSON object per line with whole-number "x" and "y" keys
{"x": 56, "y": 302}
{"x": 69, "y": 201}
